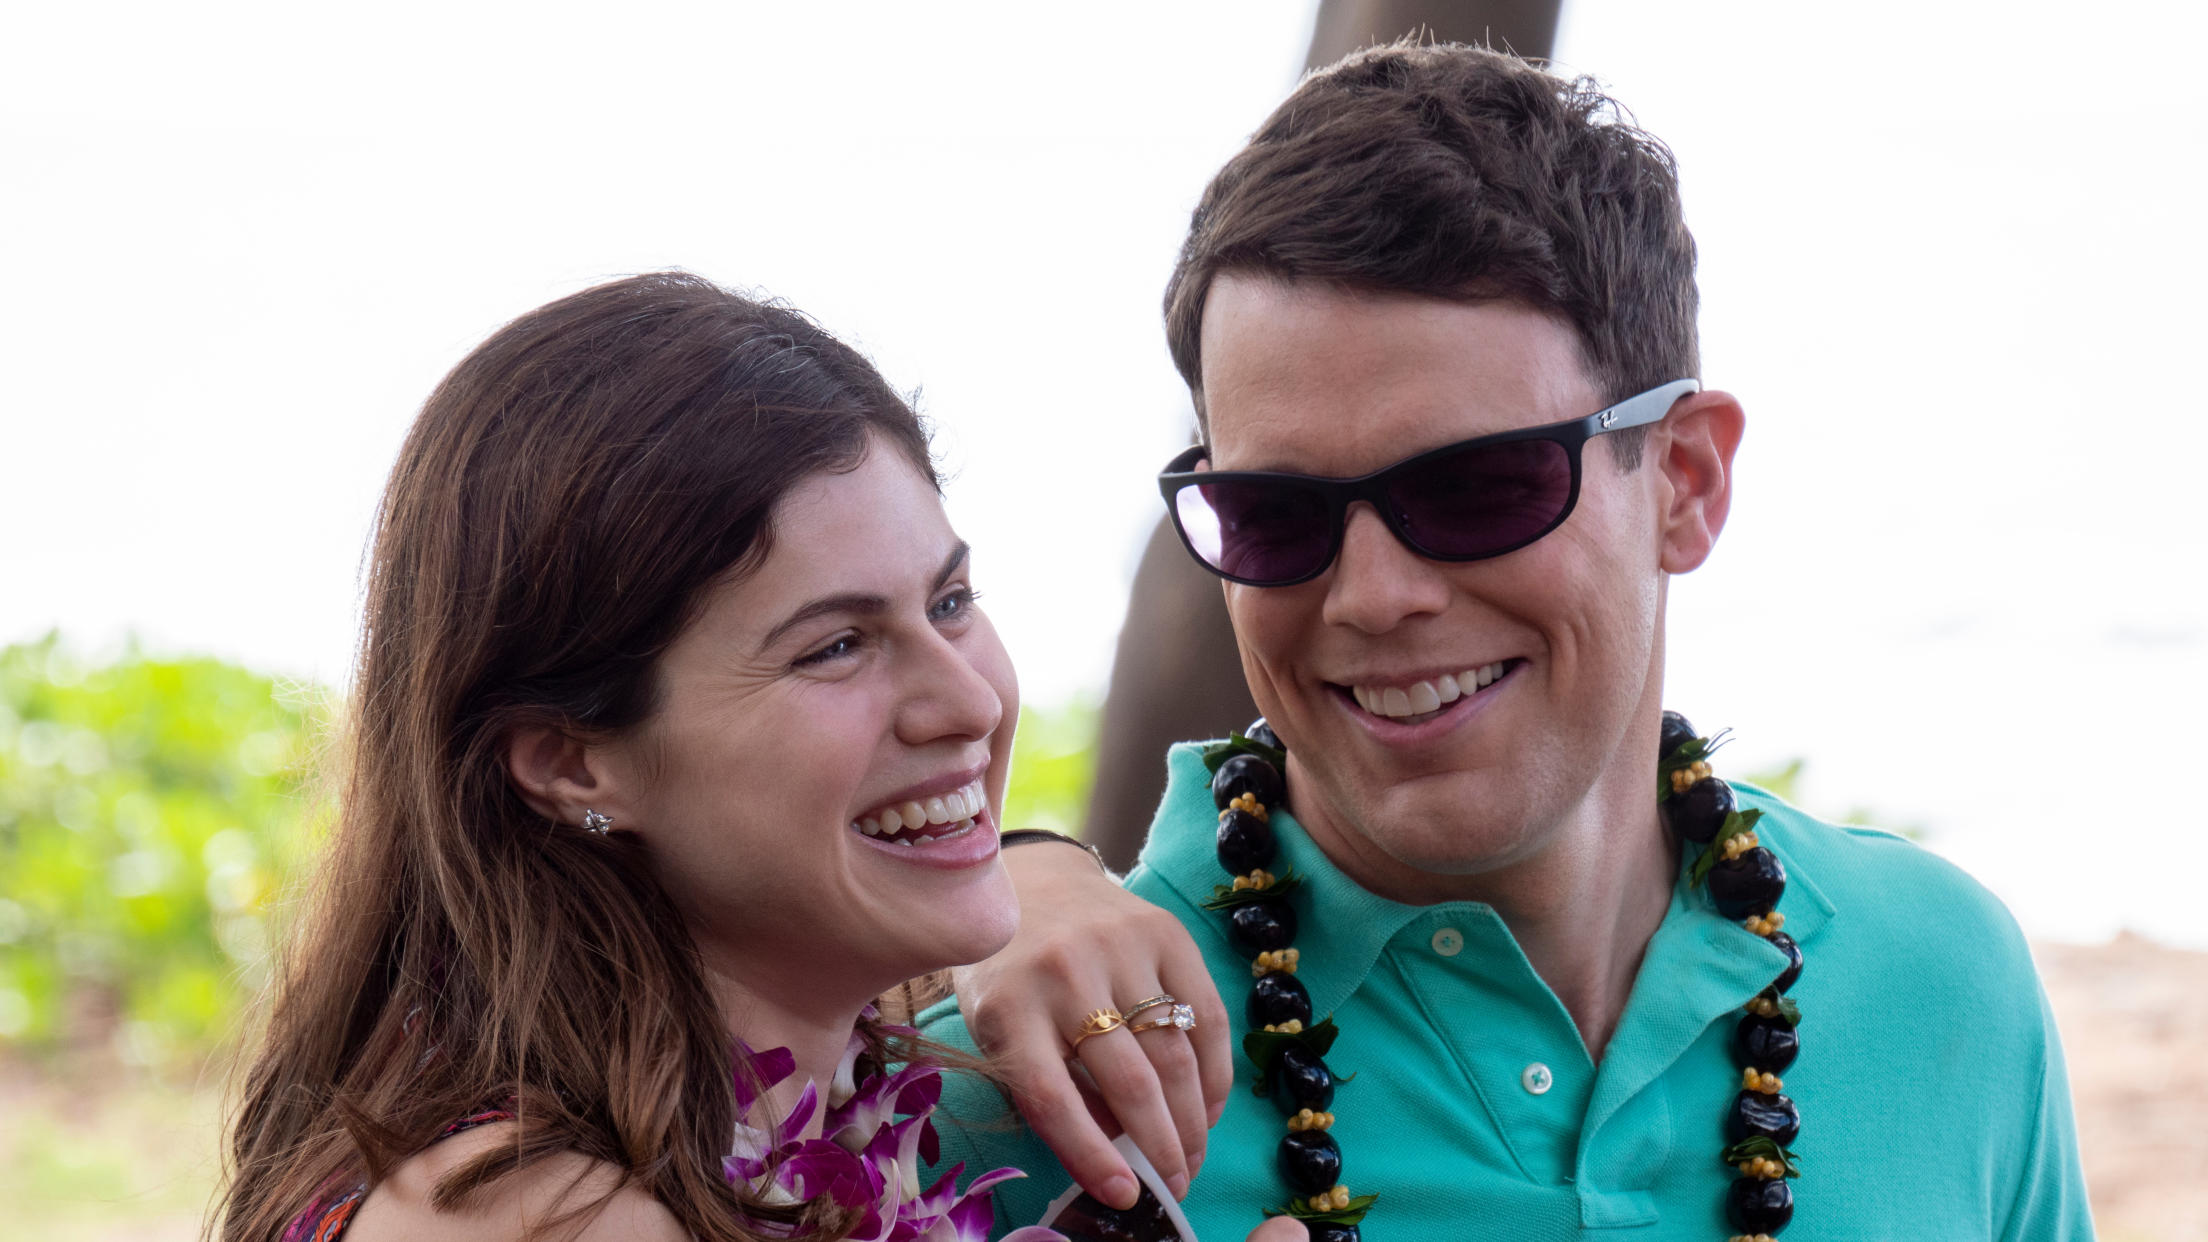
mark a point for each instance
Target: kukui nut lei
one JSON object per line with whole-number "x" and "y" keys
{"x": 1744, "y": 881}
{"x": 1248, "y": 781}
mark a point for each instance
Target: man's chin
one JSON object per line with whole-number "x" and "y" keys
{"x": 1459, "y": 854}
{"x": 1432, "y": 830}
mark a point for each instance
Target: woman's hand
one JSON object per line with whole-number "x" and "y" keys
{"x": 1085, "y": 944}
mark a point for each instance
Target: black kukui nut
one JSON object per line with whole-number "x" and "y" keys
{"x": 1766, "y": 1043}
{"x": 1277, "y": 998}
{"x": 1310, "y": 1161}
{"x": 1245, "y": 843}
{"x": 1793, "y": 972}
{"x": 1697, "y": 814}
{"x": 1328, "y": 1231}
{"x": 1261, "y": 926}
{"x": 1246, "y": 774}
{"x": 1758, "y": 1205}
{"x": 1772, "y": 1116}
{"x": 1301, "y": 1080}
{"x": 1748, "y": 885}
{"x": 1677, "y": 732}
{"x": 1262, "y": 734}
{"x": 1090, "y": 1220}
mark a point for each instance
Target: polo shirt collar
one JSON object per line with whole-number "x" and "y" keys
{"x": 1343, "y": 924}
{"x": 1699, "y": 965}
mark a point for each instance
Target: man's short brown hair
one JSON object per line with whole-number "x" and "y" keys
{"x": 1460, "y": 173}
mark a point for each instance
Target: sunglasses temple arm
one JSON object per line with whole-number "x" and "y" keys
{"x": 1643, "y": 408}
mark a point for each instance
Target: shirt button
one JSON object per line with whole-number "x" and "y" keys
{"x": 1536, "y": 1079}
{"x": 1448, "y": 942}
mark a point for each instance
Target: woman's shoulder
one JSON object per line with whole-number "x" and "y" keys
{"x": 514, "y": 1207}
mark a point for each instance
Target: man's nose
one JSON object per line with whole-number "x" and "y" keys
{"x": 1376, "y": 582}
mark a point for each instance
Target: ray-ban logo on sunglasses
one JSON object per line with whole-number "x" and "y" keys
{"x": 1609, "y": 418}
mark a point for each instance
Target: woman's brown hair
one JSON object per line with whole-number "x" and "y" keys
{"x": 563, "y": 501}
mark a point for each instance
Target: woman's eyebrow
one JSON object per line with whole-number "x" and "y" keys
{"x": 859, "y": 603}
{"x": 951, "y": 564}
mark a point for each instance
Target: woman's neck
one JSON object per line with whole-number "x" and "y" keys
{"x": 817, "y": 1033}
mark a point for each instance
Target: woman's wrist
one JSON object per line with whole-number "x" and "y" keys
{"x": 1026, "y": 836}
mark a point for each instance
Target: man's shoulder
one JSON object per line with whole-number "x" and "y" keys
{"x": 1851, "y": 863}
{"x": 1921, "y": 922}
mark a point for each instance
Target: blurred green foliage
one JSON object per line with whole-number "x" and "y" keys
{"x": 150, "y": 810}
{"x": 1053, "y": 761}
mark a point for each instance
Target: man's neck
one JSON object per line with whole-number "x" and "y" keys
{"x": 1584, "y": 912}
{"x": 1583, "y": 906}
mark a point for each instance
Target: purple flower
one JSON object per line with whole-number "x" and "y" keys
{"x": 760, "y": 1072}
{"x": 867, "y": 1159}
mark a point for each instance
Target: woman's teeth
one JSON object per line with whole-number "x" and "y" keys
{"x": 907, "y": 822}
{"x": 1422, "y": 697}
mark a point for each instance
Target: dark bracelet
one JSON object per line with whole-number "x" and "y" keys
{"x": 1021, "y": 836}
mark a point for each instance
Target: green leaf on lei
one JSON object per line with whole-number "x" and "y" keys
{"x": 1763, "y": 1147}
{"x": 1227, "y": 897}
{"x": 1263, "y": 1048}
{"x": 1685, "y": 755}
{"x": 1736, "y": 823}
{"x": 1350, "y": 1215}
{"x": 1236, "y": 744}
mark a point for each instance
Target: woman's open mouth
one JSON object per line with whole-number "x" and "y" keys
{"x": 925, "y": 820}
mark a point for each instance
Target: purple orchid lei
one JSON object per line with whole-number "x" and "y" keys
{"x": 866, "y": 1157}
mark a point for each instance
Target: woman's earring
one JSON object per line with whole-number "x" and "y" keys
{"x": 594, "y": 822}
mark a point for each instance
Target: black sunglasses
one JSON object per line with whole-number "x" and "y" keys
{"x": 1462, "y": 502}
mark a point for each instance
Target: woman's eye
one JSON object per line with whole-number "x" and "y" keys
{"x": 953, "y": 604}
{"x": 836, "y": 650}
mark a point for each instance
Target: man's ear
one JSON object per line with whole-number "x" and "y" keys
{"x": 1695, "y": 453}
{"x": 561, "y": 777}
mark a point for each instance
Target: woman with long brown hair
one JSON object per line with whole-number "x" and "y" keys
{"x": 676, "y": 737}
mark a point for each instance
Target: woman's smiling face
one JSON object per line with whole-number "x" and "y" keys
{"x": 843, "y": 687}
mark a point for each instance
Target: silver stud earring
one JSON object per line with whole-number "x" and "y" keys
{"x": 594, "y": 822}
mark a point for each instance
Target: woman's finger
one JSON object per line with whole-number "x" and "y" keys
{"x": 1083, "y": 944}
{"x": 1173, "y": 1061}
{"x": 1182, "y": 968}
{"x": 1053, "y": 1106}
{"x": 1120, "y": 1067}
{"x": 1280, "y": 1229}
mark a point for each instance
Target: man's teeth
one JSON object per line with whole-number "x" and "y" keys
{"x": 1422, "y": 697}
{"x": 955, "y": 807}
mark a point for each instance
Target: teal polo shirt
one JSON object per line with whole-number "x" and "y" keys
{"x": 1931, "y": 1085}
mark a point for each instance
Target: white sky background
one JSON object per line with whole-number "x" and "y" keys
{"x": 1954, "y": 274}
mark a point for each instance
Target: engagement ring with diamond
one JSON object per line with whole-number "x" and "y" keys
{"x": 1179, "y": 1016}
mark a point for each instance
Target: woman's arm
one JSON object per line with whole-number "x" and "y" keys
{"x": 1084, "y": 944}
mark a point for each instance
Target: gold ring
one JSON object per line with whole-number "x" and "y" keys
{"x": 1181, "y": 1017}
{"x": 1099, "y": 1022}
{"x": 1155, "y": 1001}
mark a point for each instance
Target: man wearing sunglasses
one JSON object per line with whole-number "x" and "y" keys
{"x": 1439, "y": 321}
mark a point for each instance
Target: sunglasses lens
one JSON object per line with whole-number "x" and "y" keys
{"x": 1485, "y": 500}
{"x": 1258, "y": 531}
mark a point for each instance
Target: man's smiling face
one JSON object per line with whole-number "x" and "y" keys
{"x": 1317, "y": 380}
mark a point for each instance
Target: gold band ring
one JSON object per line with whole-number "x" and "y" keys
{"x": 1181, "y": 1017}
{"x": 1099, "y": 1022}
{"x": 1152, "y": 1003}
